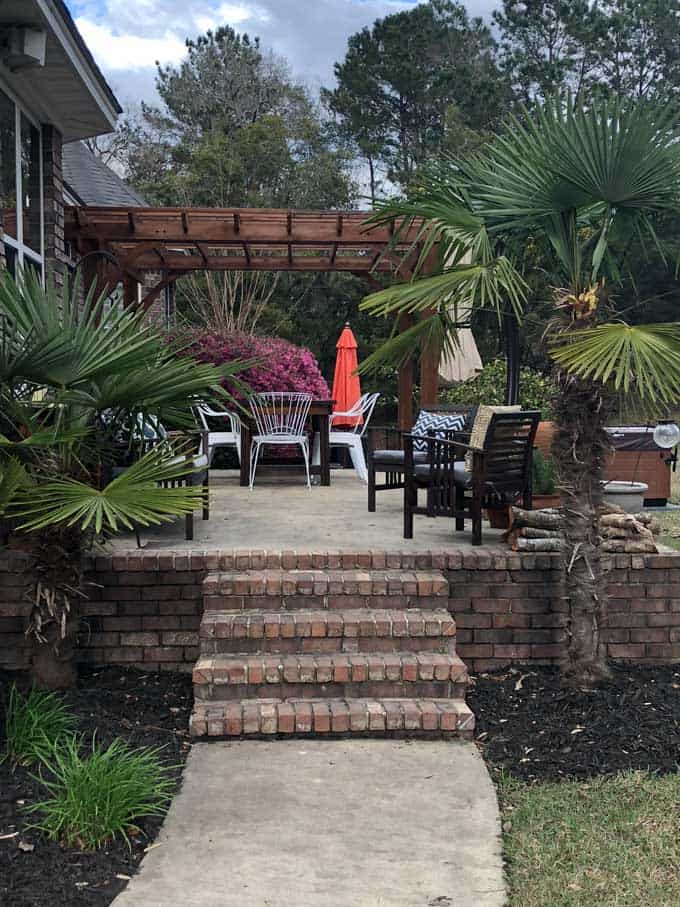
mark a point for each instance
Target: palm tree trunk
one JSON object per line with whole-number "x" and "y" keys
{"x": 56, "y": 593}
{"x": 580, "y": 447}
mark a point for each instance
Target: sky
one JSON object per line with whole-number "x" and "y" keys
{"x": 127, "y": 37}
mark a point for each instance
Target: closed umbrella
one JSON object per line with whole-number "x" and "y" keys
{"x": 346, "y": 385}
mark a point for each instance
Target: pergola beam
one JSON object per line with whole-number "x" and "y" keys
{"x": 221, "y": 225}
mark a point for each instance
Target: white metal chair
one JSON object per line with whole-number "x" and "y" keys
{"x": 217, "y": 439}
{"x": 351, "y": 438}
{"x": 280, "y": 419}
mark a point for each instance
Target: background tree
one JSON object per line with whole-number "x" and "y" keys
{"x": 639, "y": 48}
{"x": 399, "y": 79}
{"x": 621, "y": 48}
{"x": 234, "y": 130}
{"x": 547, "y": 45}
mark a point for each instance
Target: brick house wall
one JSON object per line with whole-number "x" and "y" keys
{"x": 53, "y": 193}
{"x": 145, "y": 608}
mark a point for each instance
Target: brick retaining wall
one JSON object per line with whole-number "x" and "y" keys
{"x": 146, "y": 607}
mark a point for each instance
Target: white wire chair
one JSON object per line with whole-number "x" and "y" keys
{"x": 351, "y": 438}
{"x": 217, "y": 439}
{"x": 280, "y": 418}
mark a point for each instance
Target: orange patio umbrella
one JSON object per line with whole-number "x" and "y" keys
{"x": 346, "y": 385}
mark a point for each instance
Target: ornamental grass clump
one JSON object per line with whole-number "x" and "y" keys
{"x": 103, "y": 794}
{"x": 35, "y": 723}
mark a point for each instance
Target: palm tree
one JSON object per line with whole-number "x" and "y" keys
{"x": 591, "y": 183}
{"x": 77, "y": 380}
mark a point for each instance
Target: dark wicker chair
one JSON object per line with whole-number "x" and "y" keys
{"x": 389, "y": 457}
{"x": 500, "y": 474}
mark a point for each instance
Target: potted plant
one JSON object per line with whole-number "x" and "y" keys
{"x": 544, "y": 492}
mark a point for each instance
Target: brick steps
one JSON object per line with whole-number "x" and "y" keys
{"x": 294, "y": 589}
{"x": 266, "y": 717}
{"x": 351, "y": 630}
{"x": 332, "y": 650}
{"x": 336, "y": 676}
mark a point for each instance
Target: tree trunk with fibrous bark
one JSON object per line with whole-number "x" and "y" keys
{"x": 580, "y": 447}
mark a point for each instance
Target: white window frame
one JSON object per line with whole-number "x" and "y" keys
{"x": 25, "y": 252}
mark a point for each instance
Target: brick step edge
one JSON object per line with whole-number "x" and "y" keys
{"x": 351, "y": 623}
{"x": 267, "y": 717}
{"x": 277, "y": 583}
{"x": 335, "y": 668}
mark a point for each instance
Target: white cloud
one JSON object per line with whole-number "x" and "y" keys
{"x": 116, "y": 52}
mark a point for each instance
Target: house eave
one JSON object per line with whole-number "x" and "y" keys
{"x": 69, "y": 91}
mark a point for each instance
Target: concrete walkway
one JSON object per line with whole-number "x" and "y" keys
{"x": 346, "y": 823}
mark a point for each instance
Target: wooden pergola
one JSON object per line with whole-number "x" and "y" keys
{"x": 120, "y": 245}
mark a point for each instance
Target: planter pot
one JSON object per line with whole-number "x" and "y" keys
{"x": 627, "y": 495}
{"x": 499, "y": 517}
{"x": 544, "y": 437}
{"x": 543, "y": 501}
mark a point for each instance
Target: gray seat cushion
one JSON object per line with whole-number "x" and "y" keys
{"x": 396, "y": 457}
{"x": 461, "y": 476}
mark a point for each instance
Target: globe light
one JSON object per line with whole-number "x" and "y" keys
{"x": 666, "y": 434}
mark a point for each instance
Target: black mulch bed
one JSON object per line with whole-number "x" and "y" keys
{"x": 144, "y": 709}
{"x": 532, "y": 728}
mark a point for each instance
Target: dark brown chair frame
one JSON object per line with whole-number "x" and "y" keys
{"x": 394, "y": 471}
{"x": 501, "y": 473}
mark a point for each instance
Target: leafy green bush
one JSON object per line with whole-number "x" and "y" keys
{"x": 543, "y": 474}
{"x": 536, "y": 391}
{"x": 100, "y": 796}
{"x": 34, "y": 725}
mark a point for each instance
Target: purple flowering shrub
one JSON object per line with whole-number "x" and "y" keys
{"x": 282, "y": 367}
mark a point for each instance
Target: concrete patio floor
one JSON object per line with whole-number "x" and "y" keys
{"x": 346, "y": 823}
{"x": 282, "y": 513}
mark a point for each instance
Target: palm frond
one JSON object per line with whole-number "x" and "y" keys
{"x": 460, "y": 288}
{"x": 133, "y": 498}
{"x": 59, "y": 340}
{"x": 436, "y": 330}
{"x": 13, "y": 477}
{"x": 639, "y": 359}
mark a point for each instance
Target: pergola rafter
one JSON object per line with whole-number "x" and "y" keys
{"x": 223, "y": 239}
{"x": 179, "y": 241}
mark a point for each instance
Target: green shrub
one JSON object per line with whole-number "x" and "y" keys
{"x": 34, "y": 724}
{"x": 100, "y": 796}
{"x": 543, "y": 474}
{"x": 536, "y": 391}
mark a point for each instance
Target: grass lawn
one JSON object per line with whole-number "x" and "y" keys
{"x": 610, "y": 842}
{"x": 670, "y": 534}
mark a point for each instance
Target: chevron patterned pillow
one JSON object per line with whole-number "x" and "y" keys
{"x": 439, "y": 423}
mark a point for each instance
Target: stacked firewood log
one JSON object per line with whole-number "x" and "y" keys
{"x": 621, "y": 532}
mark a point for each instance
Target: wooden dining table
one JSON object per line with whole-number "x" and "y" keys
{"x": 319, "y": 412}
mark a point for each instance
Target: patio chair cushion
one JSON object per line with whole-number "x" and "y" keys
{"x": 481, "y": 426}
{"x": 396, "y": 457}
{"x": 439, "y": 423}
{"x": 460, "y": 474}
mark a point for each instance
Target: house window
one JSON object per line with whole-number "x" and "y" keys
{"x": 21, "y": 196}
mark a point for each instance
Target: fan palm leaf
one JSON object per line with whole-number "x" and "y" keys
{"x": 13, "y": 477}
{"x": 57, "y": 340}
{"x": 135, "y": 497}
{"x": 644, "y": 359}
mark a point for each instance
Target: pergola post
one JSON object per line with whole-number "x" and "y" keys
{"x": 130, "y": 291}
{"x": 430, "y": 353}
{"x": 405, "y": 385}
